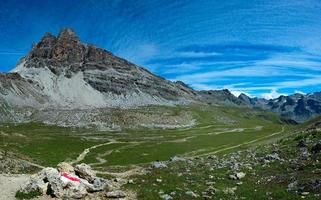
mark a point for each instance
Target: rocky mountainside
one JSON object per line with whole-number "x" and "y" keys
{"x": 63, "y": 72}
{"x": 298, "y": 107}
{"x": 220, "y": 97}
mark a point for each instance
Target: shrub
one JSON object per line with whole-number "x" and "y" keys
{"x": 29, "y": 195}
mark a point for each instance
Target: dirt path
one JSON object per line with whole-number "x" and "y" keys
{"x": 136, "y": 170}
{"x": 245, "y": 143}
{"x": 9, "y": 184}
{"x": 86, "y": 151}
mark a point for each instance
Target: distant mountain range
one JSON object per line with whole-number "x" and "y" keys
{"x": 298, "y": 107}
{"x": 62, "y": 73}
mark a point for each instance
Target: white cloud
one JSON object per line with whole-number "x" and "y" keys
{"x": 146, "y": 50}
{"x": 299, "y": 92}
{"x": 197, "y": 86}
{"x": 238, "y": 92}
{"x": 250, "y": 71}
{"x": 272, "y": 95}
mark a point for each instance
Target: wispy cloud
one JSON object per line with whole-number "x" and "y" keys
{"x": 272, "y": 95}
{"x": 269, "y": 67}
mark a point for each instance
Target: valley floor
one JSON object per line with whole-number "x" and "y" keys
{"x": 128, "y": 154}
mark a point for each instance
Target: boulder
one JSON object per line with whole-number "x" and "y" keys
{"x": 65, "y": 167}
{"x": 84, "y": 171}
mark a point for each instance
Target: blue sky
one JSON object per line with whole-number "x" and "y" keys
{"x": 259, "y": 47}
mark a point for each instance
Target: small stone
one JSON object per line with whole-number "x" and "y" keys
{"x": 230, "y": 190}
{"x": 240, "y": 175}
{"x": 293, "y": 186}
{"x": 159, "y": 165}
{"x": 305, "y": 193}
{"x": 116, "y": 194}
{"x": 302, "y": 144}
{"x": 191, "y": 193}
{"x": 272, "y": 157}
{"x": 177, "y": 159}
{"x": 233, "y": 177}
{"x": 237, "y": 176}
{"x": 239, "y": 183}
{"x": 166, "y": 197}
{"x": 159, "y": 180}
{"x": 316, "y": 148}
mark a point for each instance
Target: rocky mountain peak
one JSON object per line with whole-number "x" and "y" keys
{"x": 68, "y": 34}
{"x": 73, "y": 74}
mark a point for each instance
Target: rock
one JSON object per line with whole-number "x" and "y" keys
{"x": 237, "y": 176}
{"x": 272, "y": 157}
{"x": 116, "y": 194}
{"x": 316, "y": 148}
{"x": 62, "y": 185}
{"x": 130, "y": 181}
{"x": 159, "y": 165}
{"x": 159, "y": 180}
{"x": 302, "y": 144}
{"x": 305, "y": 193}
{"x": 211, "y": 190}
{"x": 230, "y": 190}
{"x": 239, "y": 183}
{"x": 177, "y": 159}
{"x": 240, "y": 175}
{"x": 65, "y": 167}
{"x": 99, "y": 184}
{"x": 34, "y": 184}
{"x": 84, "y": 171}
{"x": 191, "y": 193}
{"x": 210, "y": 182}
{"x": 293, "y": 186}
{"x": 74, "y": 190}
{"x": 232, "y": 176}
{"x": 166, "y": 197}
